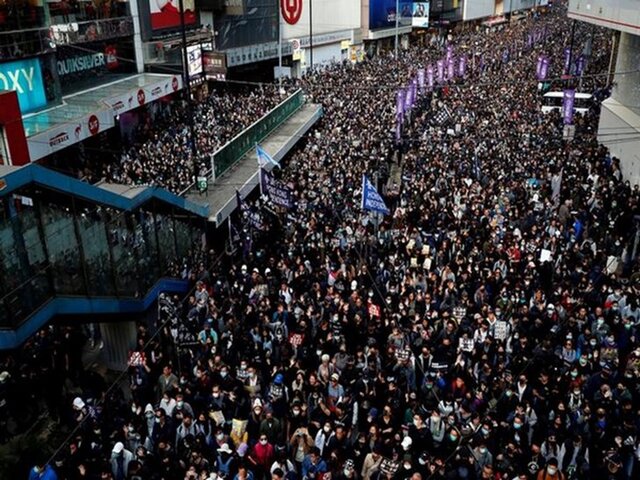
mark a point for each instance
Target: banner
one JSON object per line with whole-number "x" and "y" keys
{"x": 449, "y": 53}
{"x": 529, "y": 41}
{"x": 408, "y": 101}
{"x": 277, "y": 191}
{"x": 249, "y": 217}
{"x": 421, "y": 79}
{"x": 568, "y": 99}
{"x": 420, "y": 17}
{"x": 398, "y": 128}
{"x": 400, "y": 103}
{"x": 414, "y": 91}
{"x": 371, "y": 199}
{"x": 430, "y": 77}
{"x": 462, "y": 66}
{"x": 451, "y": 70}
{"x": 544, "y": 68}
{"x": 505, "y": 56}
{"x": 539, "y": 66}
{"x": 567, "y": 60}
{"x": 580, "y": 65}
{"x": 440, "y": 64}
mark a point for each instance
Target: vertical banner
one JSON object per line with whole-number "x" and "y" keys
{"x": 567, "y": 60}
{"x": 529, "y": 41}
{"x": 544, "y": 68}
{"x": 505, "y": 56}
{"x": 400, "y": 103}
{"x": 580, "y": 65}
{"x": 449, "y": 53}
{"x": 421, "y": 81}
{"x": 398, "y": 128}
{"x": 408, "y": 102}
{"x": 568, "y": 98}
{"x": 462, "y": 66}
{"x": 414, "y": 91}
{"x": 451, "y": 70}
{"x": 430, "y": 77}
{"x": 539, "y": 66}
{"x": 440, "y": 64}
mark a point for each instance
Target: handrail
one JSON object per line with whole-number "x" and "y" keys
{"x": 289, "y": 106}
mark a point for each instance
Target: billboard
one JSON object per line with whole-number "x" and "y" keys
{"x": 166, "y": 13}
{"x": 25, "y": 77}
{"x": 420, "y": 17}
{"x": 215, "y": 65}
{"x": 256, "y": 23}
{"x": 194, "y": 57}
{"x": 382, "y": 13}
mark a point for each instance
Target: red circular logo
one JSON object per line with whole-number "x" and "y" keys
{"x": 140, "y": 97}
{"x": 291, "y": 10}
{"x": 93, "y": 124}
{"x": 174, "y": 84}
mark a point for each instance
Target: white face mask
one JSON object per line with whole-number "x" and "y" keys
{"x": 263, "y": 442}
{"x": 552, "y": 470}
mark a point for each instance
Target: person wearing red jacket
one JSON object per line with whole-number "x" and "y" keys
{"x": 262, "y": 457}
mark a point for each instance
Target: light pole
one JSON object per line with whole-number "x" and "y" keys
{"x": 397, "y": 26}
{"x": 187, "y": 86}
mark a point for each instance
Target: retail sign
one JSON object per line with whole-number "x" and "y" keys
{"x": 137, "y": 97}
{"x": 291, "y": 10}
{"x": 67, "y": 134}
{"x": 25, "y": 78}
{"x": 166, "y": 13}
{"x": 81, "y": 63}
{"x": 214, "y": 65}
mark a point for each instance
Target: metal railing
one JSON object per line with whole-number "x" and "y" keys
{"x": 238, "y": 147}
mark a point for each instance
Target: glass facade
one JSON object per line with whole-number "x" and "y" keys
{"x": 53, "y": 244}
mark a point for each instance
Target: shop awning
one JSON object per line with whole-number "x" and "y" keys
{"x": 92, "y": 111}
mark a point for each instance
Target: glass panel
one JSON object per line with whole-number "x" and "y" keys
{"x": 91, "y": 226}
{"x": 166, "y": 238}
{"x": 147, "y": 259}
{"x": 121, "y": 239}
{"x": 62, "y": 245}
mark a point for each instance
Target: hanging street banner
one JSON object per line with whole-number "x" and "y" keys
{"x": 371, "y": 199}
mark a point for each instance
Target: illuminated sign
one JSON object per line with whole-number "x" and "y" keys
{"x": 25, "y": 77}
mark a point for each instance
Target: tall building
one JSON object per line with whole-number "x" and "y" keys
{"x": 619, "y": 127}
{"x": 75, "y": 66}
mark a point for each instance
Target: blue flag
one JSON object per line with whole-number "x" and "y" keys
{"x": 264, "y": 158}
{"x": 371, "y": 199}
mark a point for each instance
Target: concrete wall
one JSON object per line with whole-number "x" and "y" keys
{"x": 619, "y": 130}
{"x": 328, "y": 16}
{"x": 474, "y": 9}
{"x": 627, "y": 78}
{"x": 623, "y": 15}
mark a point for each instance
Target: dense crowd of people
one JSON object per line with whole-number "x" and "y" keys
{"x": 486, "y": 329}
{"x": 161, "y": 153}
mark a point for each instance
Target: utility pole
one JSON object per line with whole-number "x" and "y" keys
{"x": 279, "y": 50}
{"x": 311, "y": 34}
{"x": 187, "y": 89}
{"x": 397, "y": 26}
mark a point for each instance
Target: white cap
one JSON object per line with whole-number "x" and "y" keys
{"x": 78, "y": 403}
{"x": 118, "y": 447}
{"x": 225, "y": 448}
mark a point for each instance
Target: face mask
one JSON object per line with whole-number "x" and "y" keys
{"x": 508, "y": 393}
{"x": 257, "y": 411}
{"x": 157, "y": 419}
{"x": 296, "y": 412}
{"x": 422, "y": 461}
{"x": 180, "y": 404}
{"x": 552, "y": 470}
{"x": 574, "y": 374}
{"x": 600, "y": 321}
{"x": 517, "y": 426}
{"x": 627, "y": 326}
{"x": 407, "y": 466}
{"x": 435, "y": 419}
{"x": 220, "y": 436}
{"x": 216, "y": 395}
{"x": 327, "y": 429}
{"x": 149, "y": 415}
{"x": 263, "y": 442}
{"x": 593, "y": 343}
{"x": 243, "y": 367}
{"x": 134, "y": 409}
{"x": 484, "y": 431}
{"x": 453, "y": 438}
{"x": 223, "y": 374}
{"x": 483, "y": 450}
{"x": 346, "y": 472}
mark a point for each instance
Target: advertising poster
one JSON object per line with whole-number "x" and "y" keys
{"x": 194, "y": 57}
{"x": 25, "y": 77}
{"x": 382, "y": 13}
{"x": 420, "y": 16}
{"x": 166, "y": 13}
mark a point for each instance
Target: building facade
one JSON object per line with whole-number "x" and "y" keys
{"x": 619, "y": 127}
